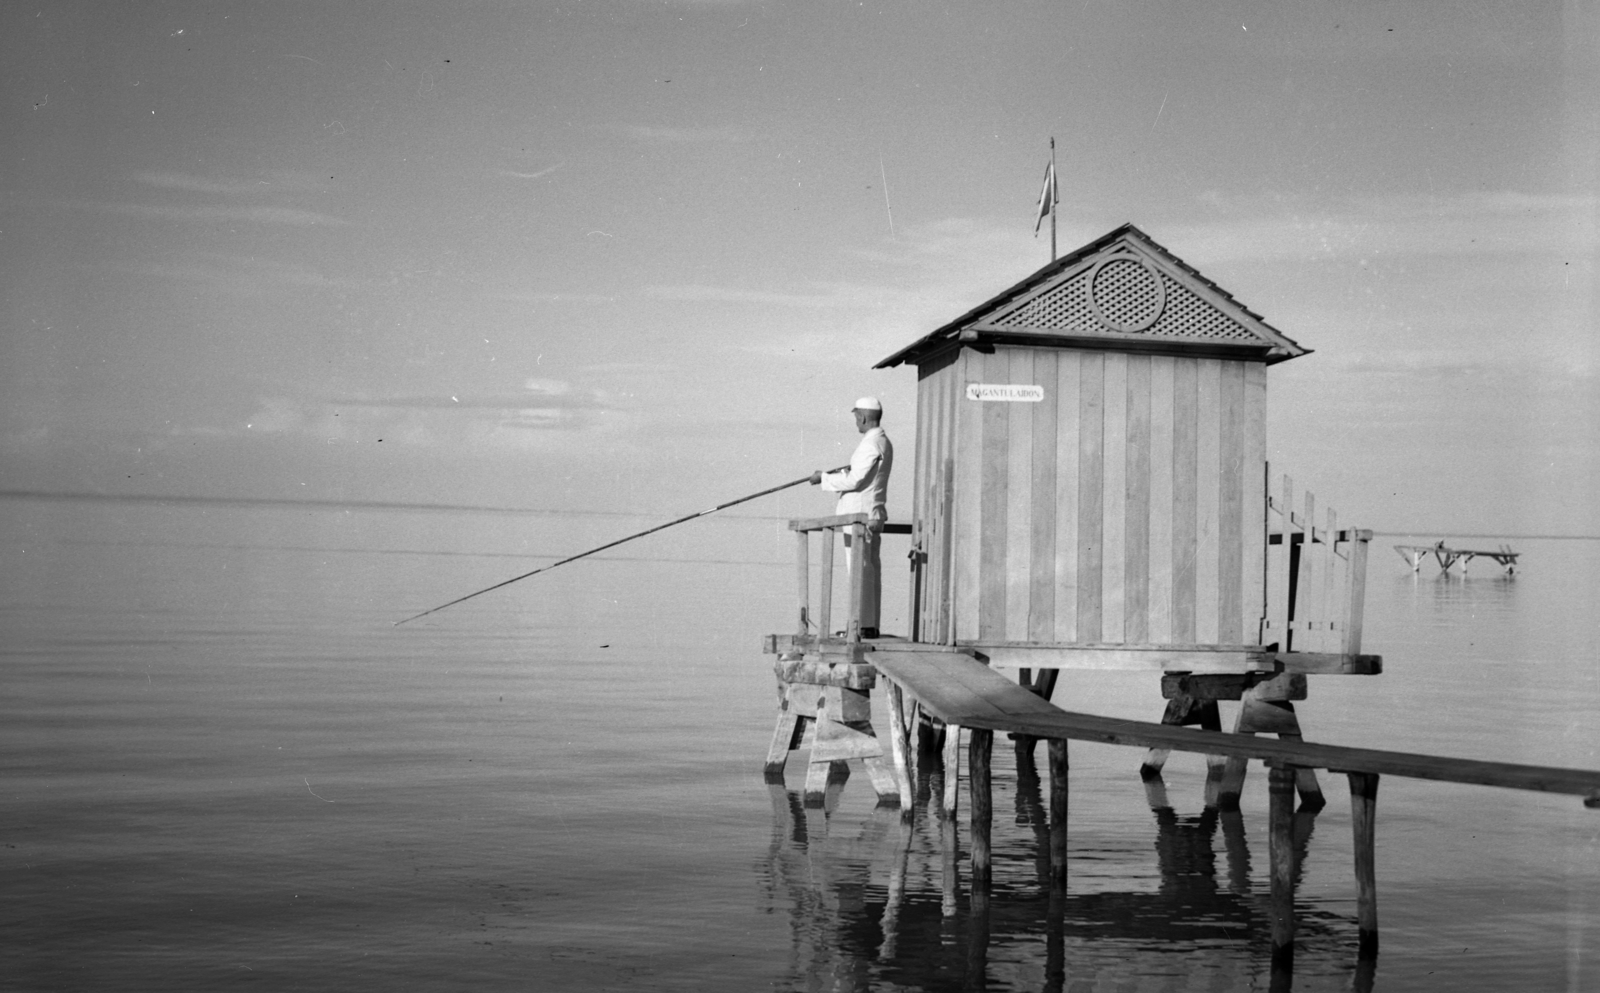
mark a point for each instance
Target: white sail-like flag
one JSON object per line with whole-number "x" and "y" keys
{"x": 1047, "y": 197}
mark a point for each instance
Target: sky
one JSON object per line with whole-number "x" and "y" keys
{"x": 641, "y": 256}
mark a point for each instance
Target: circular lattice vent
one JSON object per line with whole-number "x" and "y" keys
{"x": 1126, "y": 294}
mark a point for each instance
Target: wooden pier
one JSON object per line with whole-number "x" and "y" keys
{"x": 1447, "y": 557}
{"x": 941, "y": 692}
{"x": 1091, "y": 492}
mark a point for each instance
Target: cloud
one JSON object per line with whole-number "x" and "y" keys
{"x": 543, "y": 393}
{"x": 207, "y": 214}
{"x": 825, "y": 296}
{"x": 244, "y": 275}
{"x": 513, "y": 174}
{"x": 1486, "y": 222}
{"x": 517, "y": 296}
{"x": 463, "y": 419}
{"x": 268, "y": 183}
{"x": 680, "y": 136}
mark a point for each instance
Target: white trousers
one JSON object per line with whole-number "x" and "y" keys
{"x": 871, "y": 575}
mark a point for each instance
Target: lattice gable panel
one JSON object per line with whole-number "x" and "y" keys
{"x": 1124, "y": 292}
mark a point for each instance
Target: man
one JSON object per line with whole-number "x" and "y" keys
{"x": 863, "y": 488}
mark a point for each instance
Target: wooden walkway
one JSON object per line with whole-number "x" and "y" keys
{"x": 957, "y": 689}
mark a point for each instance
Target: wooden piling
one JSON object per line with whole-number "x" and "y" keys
{"x": 898, "y": 747}
{"x": 1363, "y": 822}
{"x": 952, "y": 770}
{"x": 979, "y": 748}
{"x": 1280, "y": 852}
{"x": 949, "y": 883}
{"x": 1058, "y": 813}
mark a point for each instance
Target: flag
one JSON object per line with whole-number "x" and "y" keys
{"x": 1047, "y": 196}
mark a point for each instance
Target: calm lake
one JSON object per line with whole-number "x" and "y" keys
{"x": 224, "y": 766}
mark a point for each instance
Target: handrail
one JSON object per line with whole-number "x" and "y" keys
{"x": 826, "y": 523}
{"x": 855, "y": 525}
{"x": 1315, "y": 578}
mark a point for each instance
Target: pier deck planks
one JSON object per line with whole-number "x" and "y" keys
{"x": 958, "y": 689}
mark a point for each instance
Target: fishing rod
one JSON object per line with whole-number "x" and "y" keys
{"x": 614, "y": 544}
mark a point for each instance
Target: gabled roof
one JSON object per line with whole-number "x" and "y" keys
{"x": 1123, "y": 292}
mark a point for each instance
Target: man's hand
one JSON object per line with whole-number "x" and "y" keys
{"x": 816, "y": 478}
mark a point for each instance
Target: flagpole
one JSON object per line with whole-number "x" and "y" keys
{"x": 1053, "y": 198}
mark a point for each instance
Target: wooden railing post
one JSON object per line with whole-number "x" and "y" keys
{"x": 858, "y": 537}
{"x": 825, "y": 595}
{"x": 802, "y": 565}
{"x": 1356, "y": 595}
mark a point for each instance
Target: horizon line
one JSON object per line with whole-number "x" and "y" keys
{"x": 489, "y": 509}
{"x": 325, "y": 502}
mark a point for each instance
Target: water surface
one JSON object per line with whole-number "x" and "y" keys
{"x": 223, "y": 765}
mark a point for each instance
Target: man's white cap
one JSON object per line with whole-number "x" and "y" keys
{"x": 869, "y": 403}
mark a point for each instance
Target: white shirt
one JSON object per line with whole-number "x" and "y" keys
{"x": 864, "y": 487}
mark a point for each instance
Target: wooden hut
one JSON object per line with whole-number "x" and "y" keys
{"x": 1091, "y": 457}
{"x": 1091, "y": 491}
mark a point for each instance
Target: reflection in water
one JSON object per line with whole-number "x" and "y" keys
{"x": 874, "y": 900}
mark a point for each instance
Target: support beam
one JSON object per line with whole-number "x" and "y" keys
{"x": 1363, "y": 823}
{"x": 979, "y": 748}
{"x": 1265, "y": 716}
{"x": 786, "y": 737}
{"x": 1280, "y": 852}
{"x": 1183, "y": 710}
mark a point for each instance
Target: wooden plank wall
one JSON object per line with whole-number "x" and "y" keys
{"x": 1125, "y": 508}
{"x": 938, "y": 384}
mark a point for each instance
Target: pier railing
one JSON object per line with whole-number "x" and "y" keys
{"x": 819, "y": 625}
{"x": 1316, "y": 578}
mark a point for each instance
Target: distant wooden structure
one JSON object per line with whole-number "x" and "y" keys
{"x": 1447, "y": 557}
{"x": 1091, "y": 491}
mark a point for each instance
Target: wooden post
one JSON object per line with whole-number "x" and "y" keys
{"x": 1260, "y": 714}
{"x": 1280, "y": 852}
{"x": 898, "y": 746}
{"x": 1356, "y": 595}
{"x": 890, "y": 923}
{"x": 914, "y": 587}
{"x": 952, "y": 770}
{"x": 914, "y": 728}
{"x": 802, "y": 568}
{"x": 1058, "y": 813}
{"x": 858, "y": 535}
{"x": 786, "y": 738}
{"x": 1183, "y": 710}
{"x": 1055, "y": 950}
{"x": 978, "y": 926}
{"x": 948, "y": 881}
{"x": 1363, "y": 822}
{"x": 825, "y": 594}
{"x": 979, "y": 747}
